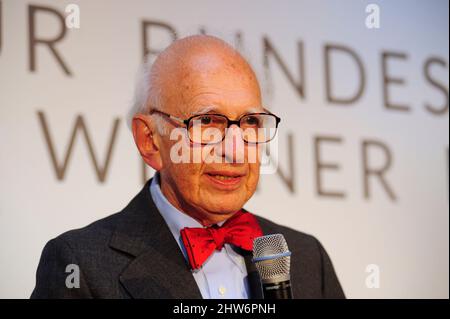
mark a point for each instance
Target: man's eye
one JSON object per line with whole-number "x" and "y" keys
{"x": 252, "y": 120}
{"x": 205, "y": 120}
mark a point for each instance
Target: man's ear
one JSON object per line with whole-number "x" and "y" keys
{"x": 146, "y": 141}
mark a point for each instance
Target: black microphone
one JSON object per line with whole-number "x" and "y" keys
{"x": 272, "y": 259}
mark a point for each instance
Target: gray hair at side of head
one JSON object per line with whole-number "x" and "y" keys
{"x": 147, "y": 94}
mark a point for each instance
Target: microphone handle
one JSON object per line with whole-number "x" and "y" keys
{"x": 277, "y": 290}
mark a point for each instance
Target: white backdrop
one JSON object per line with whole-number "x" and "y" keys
{"x": 401, "y": 226}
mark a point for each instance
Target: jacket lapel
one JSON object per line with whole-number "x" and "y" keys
{"x": 159, "y": 269}
{"x": 153, "y": 275}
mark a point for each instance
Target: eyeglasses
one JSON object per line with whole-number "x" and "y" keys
{"x": 208, "y": 128}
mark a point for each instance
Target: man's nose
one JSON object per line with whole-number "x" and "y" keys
{"x": 233, "y": 146}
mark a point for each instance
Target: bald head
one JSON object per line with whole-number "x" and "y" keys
{"x": 200, "y": 65}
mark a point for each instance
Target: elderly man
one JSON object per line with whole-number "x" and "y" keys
{"x": 186, "y": 234}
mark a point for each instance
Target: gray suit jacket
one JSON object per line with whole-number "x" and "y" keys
{"x": 132, "y": 254}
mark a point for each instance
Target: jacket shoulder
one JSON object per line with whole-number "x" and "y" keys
{"x": 92, "y": 235}
{"x": 87, "y": 250}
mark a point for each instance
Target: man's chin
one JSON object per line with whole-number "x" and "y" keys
{"x": 221, "y": 209}
{"x": 225, "y": 202}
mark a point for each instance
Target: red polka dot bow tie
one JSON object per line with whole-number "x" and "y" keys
{"x": 239, "y": 230}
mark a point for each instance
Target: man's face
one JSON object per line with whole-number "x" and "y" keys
{"x": 212, "y": 190}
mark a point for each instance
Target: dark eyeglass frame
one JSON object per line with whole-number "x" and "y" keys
{"x": 187, "y": 121}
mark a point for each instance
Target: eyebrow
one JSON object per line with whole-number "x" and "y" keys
{"x": 213, "y": 108}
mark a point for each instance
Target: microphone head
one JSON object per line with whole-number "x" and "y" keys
{"x": 272, "y": 258}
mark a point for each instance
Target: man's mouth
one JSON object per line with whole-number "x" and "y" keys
{"x": 225, "y": 178}
{"x": 222, "y": 177}
{"x": 225, "y": 174}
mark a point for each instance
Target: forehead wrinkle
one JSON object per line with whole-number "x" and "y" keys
{"x": 206, "y": 109}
